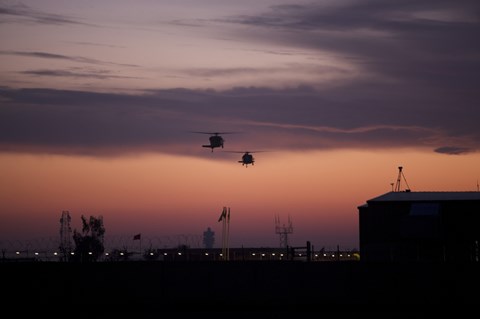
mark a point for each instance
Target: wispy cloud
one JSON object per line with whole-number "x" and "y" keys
{"x": 33, "y": 120}
{"x": 430, "y": 43}
{"x": 454, "y": 150}
{"x": 19, "y": 12}
{"x": 94, "y": 74}
{"x": 94, "y": 44}
{"x": 47, "y": 55}
{"x": 409, "y": 79}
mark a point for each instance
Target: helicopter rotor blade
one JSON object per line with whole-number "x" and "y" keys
{"x": 249, "y": 152}
{"x": 214, "y": 133}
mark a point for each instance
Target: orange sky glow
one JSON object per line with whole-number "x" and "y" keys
{"x": 105, "y": 106}
{"x": 168, "y": 196}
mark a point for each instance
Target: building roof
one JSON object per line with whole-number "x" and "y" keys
{"x": 426, "y": 196}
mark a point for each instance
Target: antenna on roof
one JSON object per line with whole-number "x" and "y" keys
{"x": 399, "y": 180}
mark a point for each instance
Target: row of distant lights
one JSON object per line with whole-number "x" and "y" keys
{"x": 300, "y": 255}
{"x": 106, "y": 254}
{"x": 179, "y": 253}
{"x": 72, "y": 253}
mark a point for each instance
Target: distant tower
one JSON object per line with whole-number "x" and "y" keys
{"x": 399, "y": 180}
{"x": 65, "y": 234}
{"x": 283, "y": 231}
{"x": 208, "y": 238}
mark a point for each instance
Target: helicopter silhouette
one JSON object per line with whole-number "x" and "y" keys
{"x": 247, "y": 157}
{"x": 216, "y": 140}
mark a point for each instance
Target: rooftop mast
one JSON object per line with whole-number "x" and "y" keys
{"x": 399, "y": 180}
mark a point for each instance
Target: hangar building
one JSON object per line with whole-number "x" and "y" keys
{"x": 420, "y": 226}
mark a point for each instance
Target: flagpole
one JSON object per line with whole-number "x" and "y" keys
{"x": 223, "y": 233}
{"x": 139, "y": 238}
{"x": 223, "y": 219}
{"x": 228, "y": 234}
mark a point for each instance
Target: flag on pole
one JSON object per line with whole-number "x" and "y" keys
{"x": 223, "y": 215}
{"x": 137, "y": 237}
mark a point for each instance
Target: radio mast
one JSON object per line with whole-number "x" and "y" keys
{"x": 283, "y": 231}
{"x": 399, "y": 180}
{"x": 65, "y": 235}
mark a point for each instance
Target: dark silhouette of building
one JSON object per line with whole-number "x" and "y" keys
{"x": 421, "y": 226}
{"x": 208, "y": 238}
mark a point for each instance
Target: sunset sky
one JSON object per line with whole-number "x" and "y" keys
{"x": 100, "y": 102}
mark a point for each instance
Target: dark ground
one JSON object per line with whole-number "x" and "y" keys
{"x": 245, "y": 286}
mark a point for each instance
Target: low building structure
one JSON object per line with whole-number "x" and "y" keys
{"x": 420, "y": 226}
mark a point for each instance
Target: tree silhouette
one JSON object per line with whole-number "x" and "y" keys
{"x": 89, "y": 243}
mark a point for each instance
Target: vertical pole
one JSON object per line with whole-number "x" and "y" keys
{"x": 399, "y": 179}
{"x": 309, "y": 251}
{"x": 228, "y": 234}
{"x": 224, "y": 220}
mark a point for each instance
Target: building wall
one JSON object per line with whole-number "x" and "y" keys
{"x": 442, "y": 231}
